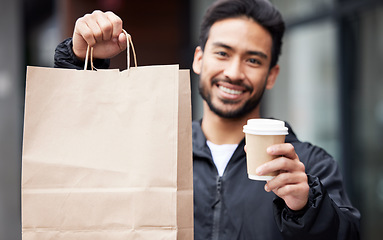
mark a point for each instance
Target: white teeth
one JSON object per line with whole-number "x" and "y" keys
{"x": 230, "y": 91}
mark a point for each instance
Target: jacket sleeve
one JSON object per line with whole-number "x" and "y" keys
{"x": 329, "y": 213}
{"x": 65, "y": 58}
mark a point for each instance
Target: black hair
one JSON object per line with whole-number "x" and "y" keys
{"x": 261, "y": 11}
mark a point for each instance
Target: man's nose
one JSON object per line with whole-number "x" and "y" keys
{"x": 234, "y": 70}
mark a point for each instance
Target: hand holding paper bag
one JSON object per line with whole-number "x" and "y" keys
{"x": 100, "y": 30}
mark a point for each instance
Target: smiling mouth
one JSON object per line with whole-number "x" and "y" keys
{"x": 230, "y": 91}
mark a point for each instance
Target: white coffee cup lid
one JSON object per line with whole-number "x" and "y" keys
{"x": 262, "y": 126}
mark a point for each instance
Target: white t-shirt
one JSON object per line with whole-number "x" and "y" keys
{"x": 221, "y": 155}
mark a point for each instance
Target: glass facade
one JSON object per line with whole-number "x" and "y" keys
{"x": 368, "y": 124}
{"x": 331, "y": 90}
{"x": 299, "y": 9}
{"x": 305, "y": 94}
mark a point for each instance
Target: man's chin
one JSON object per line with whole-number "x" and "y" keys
{"x": 228, "y": 112}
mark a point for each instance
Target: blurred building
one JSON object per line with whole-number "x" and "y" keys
{"x": 11, "y": 112}
{"x": 330, "y": 88}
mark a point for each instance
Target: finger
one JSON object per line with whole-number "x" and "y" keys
{"x": 92, "y": 21}
{"x": 285, "y": 179}
{"x": 122, "y": 41}
{"x": 291, "y": 189}
{"x": 283, "y": 164}
{"x": 106, "y": 27}
{"x": 294, "y": 195}
{"x": 116, "y": 24}
{"x": 285, "y": 149}
{"x": 83, "y": 31}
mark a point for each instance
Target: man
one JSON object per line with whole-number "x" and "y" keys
{"x": 237, "y": 61}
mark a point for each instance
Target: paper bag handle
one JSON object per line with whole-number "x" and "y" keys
{"x": 89, "y": 50}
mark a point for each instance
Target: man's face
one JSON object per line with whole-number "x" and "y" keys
{"x": 234, "y": 67}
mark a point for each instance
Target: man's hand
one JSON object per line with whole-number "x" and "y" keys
{"x": 102, "y": 31}
{"x": 291, "y": 183}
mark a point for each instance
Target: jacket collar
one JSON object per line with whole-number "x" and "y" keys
{"x": 200, "y": 147}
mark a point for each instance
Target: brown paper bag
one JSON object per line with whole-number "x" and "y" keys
{"x": 107, "y": 155}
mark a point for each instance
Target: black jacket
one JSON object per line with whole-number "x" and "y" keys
{"x": 232, "y": 207}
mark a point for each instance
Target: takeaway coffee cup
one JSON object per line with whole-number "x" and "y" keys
{"x": 260, "y": 134}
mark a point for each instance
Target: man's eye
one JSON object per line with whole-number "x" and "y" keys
{"x": 222, "y": 54}
{"x": 254, "y": 61}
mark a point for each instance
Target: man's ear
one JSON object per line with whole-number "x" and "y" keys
{"x": 273, "y": 74}
{"x": 197, "y": 62}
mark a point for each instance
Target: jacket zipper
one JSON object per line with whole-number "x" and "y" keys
{"x": 217, "y": 207}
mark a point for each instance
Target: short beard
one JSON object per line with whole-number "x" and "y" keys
{"x": 250, "y": 105}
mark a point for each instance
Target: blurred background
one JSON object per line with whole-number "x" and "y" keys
{"x": 330, "y": 88}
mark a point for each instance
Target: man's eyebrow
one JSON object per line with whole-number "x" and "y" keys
{"x": 219, "y": 44}
{"x": 257, "y": 53}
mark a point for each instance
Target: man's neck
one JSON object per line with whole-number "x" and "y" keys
{"x": 220, "y": 130}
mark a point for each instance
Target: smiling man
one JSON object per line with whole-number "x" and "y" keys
{"x": 236, "y": 60}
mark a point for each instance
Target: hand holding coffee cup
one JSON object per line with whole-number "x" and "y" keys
{"x": 276, "y": 162}
{"x": 261, "y": 134}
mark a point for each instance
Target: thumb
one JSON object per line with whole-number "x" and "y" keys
{"x": 122, "y": 41}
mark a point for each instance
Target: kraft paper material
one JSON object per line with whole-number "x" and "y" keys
{"x": 107, "y": 154}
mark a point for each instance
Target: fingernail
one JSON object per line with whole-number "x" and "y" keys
{"x": 270, "y": 150}
{"x": 258, "y": 171}
{"x": 267, "y": 188}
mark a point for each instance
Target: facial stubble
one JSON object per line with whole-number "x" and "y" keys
{"x": 241, "y": 111}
